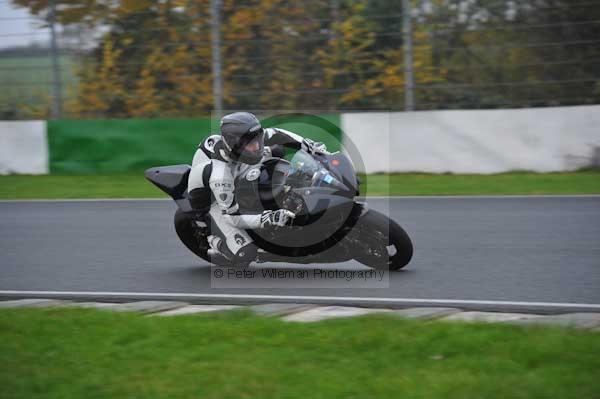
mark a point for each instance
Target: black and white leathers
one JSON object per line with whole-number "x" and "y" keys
{"x": 212, "y": 181}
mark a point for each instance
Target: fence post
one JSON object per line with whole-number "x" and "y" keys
{"x": 409, "y": 80}
{"x": 215, "y": 30}
{"x": 56, "y": 110}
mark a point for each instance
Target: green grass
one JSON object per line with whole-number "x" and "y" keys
{"x": 120, "y": 185}
{"x": 133, "y": 185}
{"x": 70, "y": 353}
{"x": 512, "y": 183}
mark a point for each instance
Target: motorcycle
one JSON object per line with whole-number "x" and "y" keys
{"x": 331, "y": 224}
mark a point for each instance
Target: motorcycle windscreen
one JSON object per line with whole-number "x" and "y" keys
{"x": 305, "y": 171}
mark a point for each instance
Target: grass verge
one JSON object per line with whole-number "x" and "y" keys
{"x": 133, "y": 185}
{"x": 513, "y": 183}
{"x": 69, "y": 353}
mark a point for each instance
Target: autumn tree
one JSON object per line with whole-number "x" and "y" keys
{"x": 508, "y": 54}
{"x": 154, "y": 58}
{"x": 157, "y": 62}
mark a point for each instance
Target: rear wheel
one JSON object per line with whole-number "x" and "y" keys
{"x": 382, "y": 243}
{"x": 195, "y": 237}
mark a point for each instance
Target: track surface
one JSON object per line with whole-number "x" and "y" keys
{"x": 539, "y": 249}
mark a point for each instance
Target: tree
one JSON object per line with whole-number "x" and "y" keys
{"x": 155, "y": 58}
{"x": 156, "y": 63}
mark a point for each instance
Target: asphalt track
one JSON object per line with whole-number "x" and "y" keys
{"x": 480, "y": 249}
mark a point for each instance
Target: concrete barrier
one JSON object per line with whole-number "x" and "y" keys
{"x": 23, "y": 147}
{"x": 463, "y": 141}
{"x": 476, "y": 141}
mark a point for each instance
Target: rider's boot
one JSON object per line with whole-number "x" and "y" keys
{"x": 242, "y": 258}
{"x": 216, "y": 243}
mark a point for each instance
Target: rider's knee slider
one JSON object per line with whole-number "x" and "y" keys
{"x": 247, "y": 253}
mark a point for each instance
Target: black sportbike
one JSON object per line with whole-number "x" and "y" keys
{"x": 331, "y": 225}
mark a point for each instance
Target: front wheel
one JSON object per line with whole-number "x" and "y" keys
{"x": 383, "y": 243}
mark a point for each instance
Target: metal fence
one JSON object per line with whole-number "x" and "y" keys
{"x": 184, "y": 58}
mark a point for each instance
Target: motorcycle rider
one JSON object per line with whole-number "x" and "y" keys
{"x": 218, "y": 162}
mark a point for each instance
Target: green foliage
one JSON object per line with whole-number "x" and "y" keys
{"x": 68, "y": 353}
{"x": 504, "y": 54}
{"x": 155, "y": 60}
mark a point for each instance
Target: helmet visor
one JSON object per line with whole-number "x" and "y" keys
{"x": 250, "y": 147}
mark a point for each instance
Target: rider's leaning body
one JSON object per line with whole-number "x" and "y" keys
{"x": 218, "y": 162}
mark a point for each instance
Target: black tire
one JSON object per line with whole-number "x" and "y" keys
{"x": 378, "y": 229}
{"x": 187, "y": 231}
{"x": 185, "y": 227}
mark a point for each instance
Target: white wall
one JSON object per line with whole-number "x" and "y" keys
{"x": 475, "y": 141}
{"x": 23, "y": 147}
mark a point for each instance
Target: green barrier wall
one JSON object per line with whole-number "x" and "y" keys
{"x": 90, "y": 146}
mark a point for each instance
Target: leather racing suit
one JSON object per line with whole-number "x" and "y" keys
{"x": 212, "y": 181}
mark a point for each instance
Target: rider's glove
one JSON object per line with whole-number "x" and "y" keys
{"x": 314, "y": 147}
{"x": 279, "y": 218}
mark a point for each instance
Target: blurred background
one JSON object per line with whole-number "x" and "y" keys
{"x": 78, "y": 59}
{"x": 121, "y": 85}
